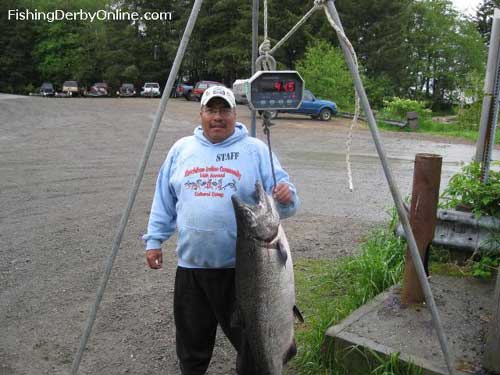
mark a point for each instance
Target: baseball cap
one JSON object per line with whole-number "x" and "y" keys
{"x": 218, "y": 92}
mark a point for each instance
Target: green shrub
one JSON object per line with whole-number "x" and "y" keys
{"x": 397, "y": 108}
{"x": 485, "y": 267}
{"x": 469, "y": 117}
{"x": 465, "y": 189}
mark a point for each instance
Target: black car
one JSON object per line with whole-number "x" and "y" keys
{"x": 126, "y": 89}
{"x": 47, "y": 89}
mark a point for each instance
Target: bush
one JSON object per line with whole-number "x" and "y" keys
{"x": 469, "y": 117}
{"x": 397, "y": 108}
{"x": 465, "y": 189}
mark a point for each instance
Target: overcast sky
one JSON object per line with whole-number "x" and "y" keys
{"x": 466, "y": 6}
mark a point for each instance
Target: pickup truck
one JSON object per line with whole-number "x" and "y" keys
{"x": 185, "y": 90}
{"x": 312, "y": 106}
{"x": 201, "y": 86}
{"x": 72, "y": 88}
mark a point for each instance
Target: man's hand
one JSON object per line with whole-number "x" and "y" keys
{"x": 154, "y": 258}
{"x": 282, "y": 193}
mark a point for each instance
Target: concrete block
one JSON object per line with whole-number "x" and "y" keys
{"x": 385, "y": 326}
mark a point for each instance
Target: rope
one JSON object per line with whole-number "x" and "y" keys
{"x": 354, "y": 121}
{"x": 396, "y": 195}
{"x": 348, "y": 143}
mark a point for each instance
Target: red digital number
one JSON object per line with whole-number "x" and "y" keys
{"x": 278, "y": 86}
{"x": 290, "y": 86}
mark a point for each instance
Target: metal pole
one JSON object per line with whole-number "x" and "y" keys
{"x": 489, "y": 114}
{"x": 332, "y": 11}
{"x": 423, "y": 218}
{"x": 255, "y": 41}
{"x": 137, "y": 182}
{"x": 294, "y": 28}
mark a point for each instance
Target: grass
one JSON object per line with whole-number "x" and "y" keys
{"x": 328, "y": 291}
{"x": 437, "y": 128}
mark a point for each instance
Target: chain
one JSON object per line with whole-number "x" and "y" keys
{"x": 266, "y": 124}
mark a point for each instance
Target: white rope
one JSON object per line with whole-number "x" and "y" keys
{"x": 266, "y": 53}
{"x": 354, "y": 121}
{"x": 349, "y": 142}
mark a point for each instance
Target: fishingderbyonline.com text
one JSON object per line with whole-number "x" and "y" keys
{"x": 82, "y": 15}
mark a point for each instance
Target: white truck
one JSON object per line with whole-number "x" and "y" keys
{"x": 151, "y": 89}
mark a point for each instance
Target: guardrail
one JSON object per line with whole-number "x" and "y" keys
{"x": 399, "y": 123}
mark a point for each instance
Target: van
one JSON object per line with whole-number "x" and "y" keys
{"x": 239, "y": 90}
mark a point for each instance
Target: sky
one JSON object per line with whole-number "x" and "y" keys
{"x": 466, "y": 6}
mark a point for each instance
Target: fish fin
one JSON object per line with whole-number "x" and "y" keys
{"x": 298, "y": 314}
{"x": 282, "y": 252}
{"x": 291, "y": 352}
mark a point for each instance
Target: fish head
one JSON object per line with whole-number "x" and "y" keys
{"x": 260, "y": 220}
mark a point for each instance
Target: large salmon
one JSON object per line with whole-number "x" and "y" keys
{"x": 265, "y": 291}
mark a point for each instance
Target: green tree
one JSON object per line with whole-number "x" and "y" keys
{"x": 483, "y": 17}
{"x": 326, "y": 74}
{"x": 378, "y": 31}
{"x": 17, "y": 39}
{"x": 443, "y": 49}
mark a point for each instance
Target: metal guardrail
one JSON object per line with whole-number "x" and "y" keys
{"x": 463, "y": 231}
{"x": 399, "y": 123}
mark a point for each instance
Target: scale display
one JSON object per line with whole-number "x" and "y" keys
{"x": 272, "y": 90}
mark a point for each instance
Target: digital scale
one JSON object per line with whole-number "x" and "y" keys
{"x": 274, "y": 89}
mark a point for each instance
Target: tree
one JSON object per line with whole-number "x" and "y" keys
{"x": 17, "y": 39}
{"x": 378, "y": 31}
{"x": 443, "y": 49}
{"x": 483, "y": 18}
{"x": 326, "y": 74}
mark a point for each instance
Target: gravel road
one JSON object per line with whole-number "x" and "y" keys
{"x": 66, "y": 166}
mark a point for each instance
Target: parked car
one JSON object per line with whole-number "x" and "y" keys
{"x": 185, "y": 90}
{"x": 98, "y": 89}
{"x": 126, "y": 90}
{"x": 312, "y": 106}
{"x": 151, "y": 89}
{"x": 201, "y": 86}
{"x": 72, "y": 88}
{"x": 239, "y": 87}
{"x": 46, "y": 89}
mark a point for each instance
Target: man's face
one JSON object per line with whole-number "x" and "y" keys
{"x": 218, "y": 120}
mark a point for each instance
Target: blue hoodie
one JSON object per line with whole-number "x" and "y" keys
{"x": 193, "y": 193}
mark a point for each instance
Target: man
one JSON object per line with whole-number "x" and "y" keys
{"x": 193, "y": 193}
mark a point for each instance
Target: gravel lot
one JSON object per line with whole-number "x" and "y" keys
{"x": 66, "y": 166}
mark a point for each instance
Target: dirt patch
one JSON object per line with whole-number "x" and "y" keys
{"x": 66, "y": 167}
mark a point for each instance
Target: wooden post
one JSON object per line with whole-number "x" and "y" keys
{"x": 424, "y": 201}
{"x": 492, "y": 348}
{"x": 412, "y": 118}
